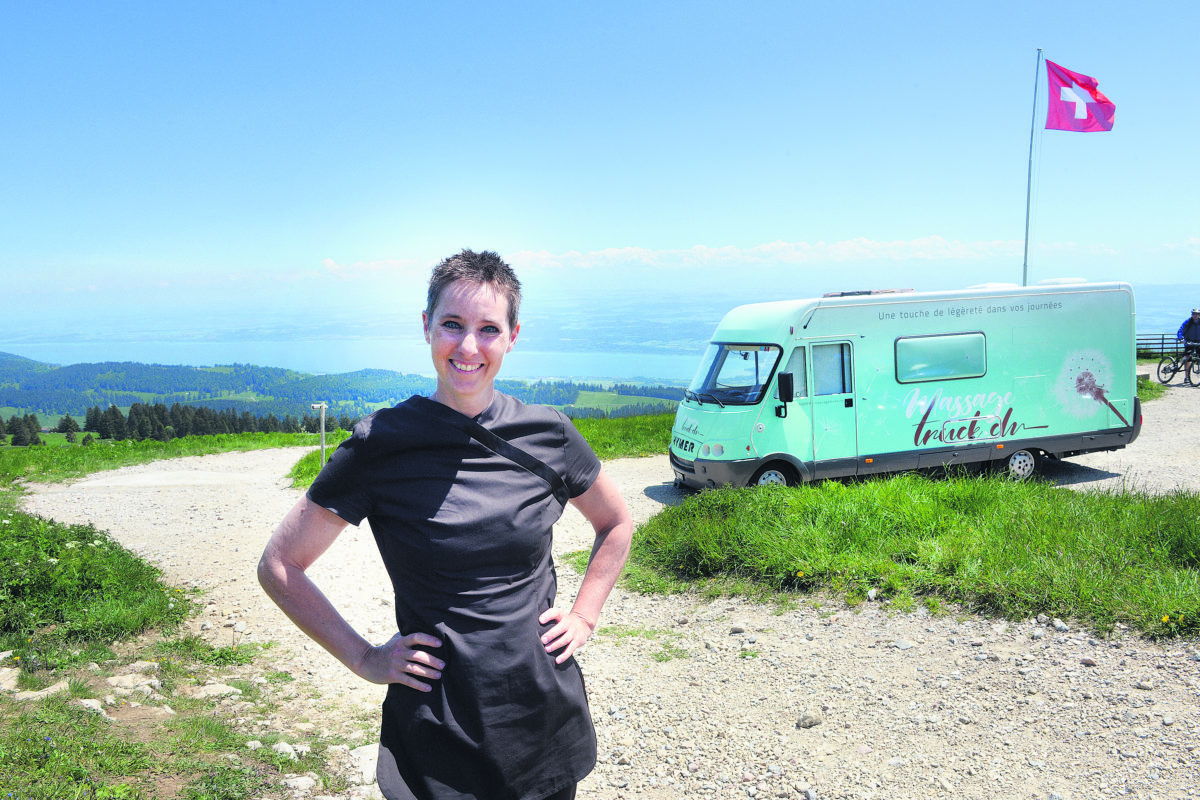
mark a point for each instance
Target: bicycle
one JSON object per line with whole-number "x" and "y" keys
{"x": 1170, "y": 365}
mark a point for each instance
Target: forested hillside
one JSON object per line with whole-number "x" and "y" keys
{"x": 31, "y": 387}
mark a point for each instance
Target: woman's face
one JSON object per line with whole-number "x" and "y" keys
{"x": 468, "y": 336}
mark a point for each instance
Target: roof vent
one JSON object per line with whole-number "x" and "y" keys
{"x": 861, "y": 292}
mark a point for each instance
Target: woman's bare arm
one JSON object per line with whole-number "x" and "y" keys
{"x": 306, "y": 532}
{"x": 606, "y": 510}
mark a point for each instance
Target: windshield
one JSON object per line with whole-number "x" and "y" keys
{"x": 734, "y": 374}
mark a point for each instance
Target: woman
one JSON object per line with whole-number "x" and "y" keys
{"x": 461, "y": 491}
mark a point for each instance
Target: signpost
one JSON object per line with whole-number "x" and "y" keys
{"x": 321, "y": 406}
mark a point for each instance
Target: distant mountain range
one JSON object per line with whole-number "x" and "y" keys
{"x": 51, "y": 391}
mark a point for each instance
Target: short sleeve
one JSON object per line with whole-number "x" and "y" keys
{"x": 581, "y": 467}
{"x": 340, "y": 486}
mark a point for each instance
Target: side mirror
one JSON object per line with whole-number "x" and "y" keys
{"x": 787, "y": 393}
{"x": 787, "y": 387}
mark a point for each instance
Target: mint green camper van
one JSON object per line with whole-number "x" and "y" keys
{"x": 870, "y": 382}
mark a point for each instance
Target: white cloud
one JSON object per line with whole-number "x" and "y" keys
{"x": 860, "y": 250}
{"x": 1189, "y": 246}
{"x": 1076, "y": 248}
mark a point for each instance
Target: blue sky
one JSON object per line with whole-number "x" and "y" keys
{"x": 254, "y": 171}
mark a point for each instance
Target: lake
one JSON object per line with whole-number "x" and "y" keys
{"x": 639, "y": 339}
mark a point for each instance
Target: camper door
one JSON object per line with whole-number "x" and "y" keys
{"x": 834, "y": 416}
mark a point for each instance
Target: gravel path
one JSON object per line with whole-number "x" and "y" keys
{"x": 697, "y": 697}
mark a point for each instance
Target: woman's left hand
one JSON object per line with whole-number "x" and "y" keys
{"x": 570, "y": 632}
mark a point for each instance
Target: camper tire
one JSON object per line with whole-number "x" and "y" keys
{"x": 1022, "y": 464}
{"x": 774, "y": 474}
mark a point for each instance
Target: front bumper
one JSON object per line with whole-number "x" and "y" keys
{"x": 707, "y": 474}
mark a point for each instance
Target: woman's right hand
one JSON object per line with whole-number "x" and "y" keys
{"x": 399, "y": 661}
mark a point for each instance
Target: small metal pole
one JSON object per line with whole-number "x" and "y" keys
{"x": 322, "y": 406}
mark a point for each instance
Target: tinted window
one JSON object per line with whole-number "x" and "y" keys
{"x": 940, "y": 358}
{"x": 831, "y": 369}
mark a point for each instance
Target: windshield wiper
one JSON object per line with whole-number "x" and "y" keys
{"x": 712, "y": 397}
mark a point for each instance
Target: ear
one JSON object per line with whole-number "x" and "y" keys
{"x": 425, "y": 325}
{"x": 513, "y": 339}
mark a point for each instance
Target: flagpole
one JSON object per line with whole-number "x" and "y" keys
{"x": 1037, "y": 70}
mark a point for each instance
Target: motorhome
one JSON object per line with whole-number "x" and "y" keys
{"x": 857, "y": 383}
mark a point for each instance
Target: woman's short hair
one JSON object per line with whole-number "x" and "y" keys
{"x": 479, "y": 268}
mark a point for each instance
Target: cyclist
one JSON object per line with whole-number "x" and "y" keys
{"x": 1189, "y": 334}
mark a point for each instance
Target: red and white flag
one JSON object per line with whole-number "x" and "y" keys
{"x": 1075, "y": 102}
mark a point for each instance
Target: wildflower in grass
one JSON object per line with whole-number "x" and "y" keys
{"x": 1167, "y": 618}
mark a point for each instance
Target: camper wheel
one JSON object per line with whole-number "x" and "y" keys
{"x": 774, "y": 474}
{"x": 1022, "y": 464}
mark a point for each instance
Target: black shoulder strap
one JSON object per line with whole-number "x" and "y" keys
{"x": 496, "y": 444}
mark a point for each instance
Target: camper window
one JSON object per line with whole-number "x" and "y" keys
{"x": 795, "y": 365}
{"x": 734, "y": 374}
{"x": 831, "y": 369}
{"x": 940, "y": 358}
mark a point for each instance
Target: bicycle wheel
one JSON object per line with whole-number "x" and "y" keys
{"x": 1167, "y": 369}
{"x": 1195, "y": 369}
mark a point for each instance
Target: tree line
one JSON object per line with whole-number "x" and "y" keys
{"x": 159, "y": 422}
{"x": 162, "y": 423}
{"x": 638, "y": 410}
{"x": 21, "y": 430}
{"x": 662, "y": 392}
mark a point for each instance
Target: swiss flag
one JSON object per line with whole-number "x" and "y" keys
{"x": 1075, "y": 102}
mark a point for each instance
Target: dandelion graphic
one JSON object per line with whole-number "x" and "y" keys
{"x": 1086, "y": 384}
{"x": 1083, "y": 383}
